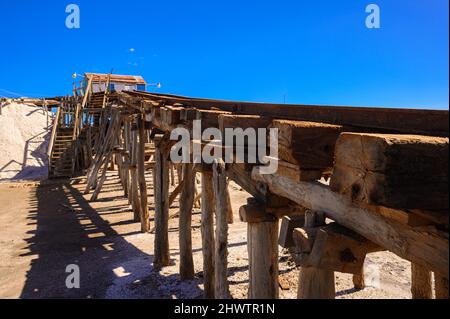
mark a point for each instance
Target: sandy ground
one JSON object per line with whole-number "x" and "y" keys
{"x": 47, "y": 226}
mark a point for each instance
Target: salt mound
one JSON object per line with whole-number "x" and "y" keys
{"x": 24, "y": 139}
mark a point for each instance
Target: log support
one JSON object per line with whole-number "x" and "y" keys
{"x": 207, "y": 230}
{"x": 145, "y": 218}
{"x": 420, "y": 282}
{"x": 161, "y": 196}
{"x": 262, "y": 246}
{"x": 221, "y": 251}
{"x": 185, "y": 221}
{"x": 315, "y": 283}
{"x": 441, "y": 284}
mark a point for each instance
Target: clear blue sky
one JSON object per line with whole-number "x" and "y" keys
{"x": 311, "y": 52}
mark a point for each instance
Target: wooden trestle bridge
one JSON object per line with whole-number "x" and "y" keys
{"x": 350, "y": 181}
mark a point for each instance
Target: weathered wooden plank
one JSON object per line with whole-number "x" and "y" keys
{"x": 309, "y": 145}
{"x": 410, "y": 121}
{"x": 398, "y": 171}
{"x": 232, "y": 121}
{"x": 240, "y": 174}
{"x": 425, "y": 246}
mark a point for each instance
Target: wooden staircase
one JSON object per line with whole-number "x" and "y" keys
{"x": 62, "y": 158}
{"x": 77, "y": 119}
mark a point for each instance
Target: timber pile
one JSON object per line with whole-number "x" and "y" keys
{"x": 351, "y": 181}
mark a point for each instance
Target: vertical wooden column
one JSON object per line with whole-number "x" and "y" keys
{"x": 441, "y": 284}
{"x": 161, "y": 196}
{"x": 185, "y": 221}
{"x": 221, "y": 251}
{"x": 315, "y": 283}
{"x": 207, "y": 230}
{"x": 145, "y": 218}
{"x": 262, "y": 246}
{"x": 230, "y": 208}
{"x": 358, "y": 280}
{"x": 126, "y": 156}
{"x": 128, "y": 143}
{"x": 420, "y": 282}
{"x": 135, "y": 202}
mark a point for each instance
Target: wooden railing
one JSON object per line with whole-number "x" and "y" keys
{"x": 53, "y": 136}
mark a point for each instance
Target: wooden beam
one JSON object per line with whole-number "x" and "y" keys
{"x": 379, "y": 169}
{"x": 308, "y": 145}
{"x": 241, "y": 174}
{"x": 425, "y": 246}
{"x": 332, "y": 247}
{"x": 410, "y": 121}
{"x": 288, "y": 224}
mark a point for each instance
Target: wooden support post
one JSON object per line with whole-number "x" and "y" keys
{"x": 172, "y": 175}
{"x": 230, "y": 208}
{"x": 262, "y": 246}
{"x": 315, "y": 283}
{"x": 221, "y": 251}
{"x": 185, "y": 220}
{"x": 126, "y": 157}
{"x": 428, "y": 248}
{"x": 135, "y": 202}
{"x": 207, "y": 230}
{"x": 161, "y": 196}
{"x": 99, "y": 186}
{"x": 441, "y": 284}
{"x": 359, "y": 280}
{"x": 420, "y": 282}
{"x": 145, "y": 218}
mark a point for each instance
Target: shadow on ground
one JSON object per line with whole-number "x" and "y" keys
{"x": 68, "y": 230}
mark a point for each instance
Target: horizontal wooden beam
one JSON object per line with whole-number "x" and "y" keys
{"x": 397, "y": 171}
{"x": 424, "y": 246}
{"x": 412, "y": 121}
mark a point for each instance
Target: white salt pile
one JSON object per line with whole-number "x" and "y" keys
{"x": 24, "y": 138}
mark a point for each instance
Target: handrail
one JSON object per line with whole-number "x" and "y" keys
{"x": 108, "y": 82}
{"x": 53, "y": 136}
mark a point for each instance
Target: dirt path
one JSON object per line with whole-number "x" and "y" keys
{"x": 45, "y": 227}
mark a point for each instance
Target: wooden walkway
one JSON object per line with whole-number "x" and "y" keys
{"x": 350, "y": 181}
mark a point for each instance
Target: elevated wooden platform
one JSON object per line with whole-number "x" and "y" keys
{"x": 362, "y": 179}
